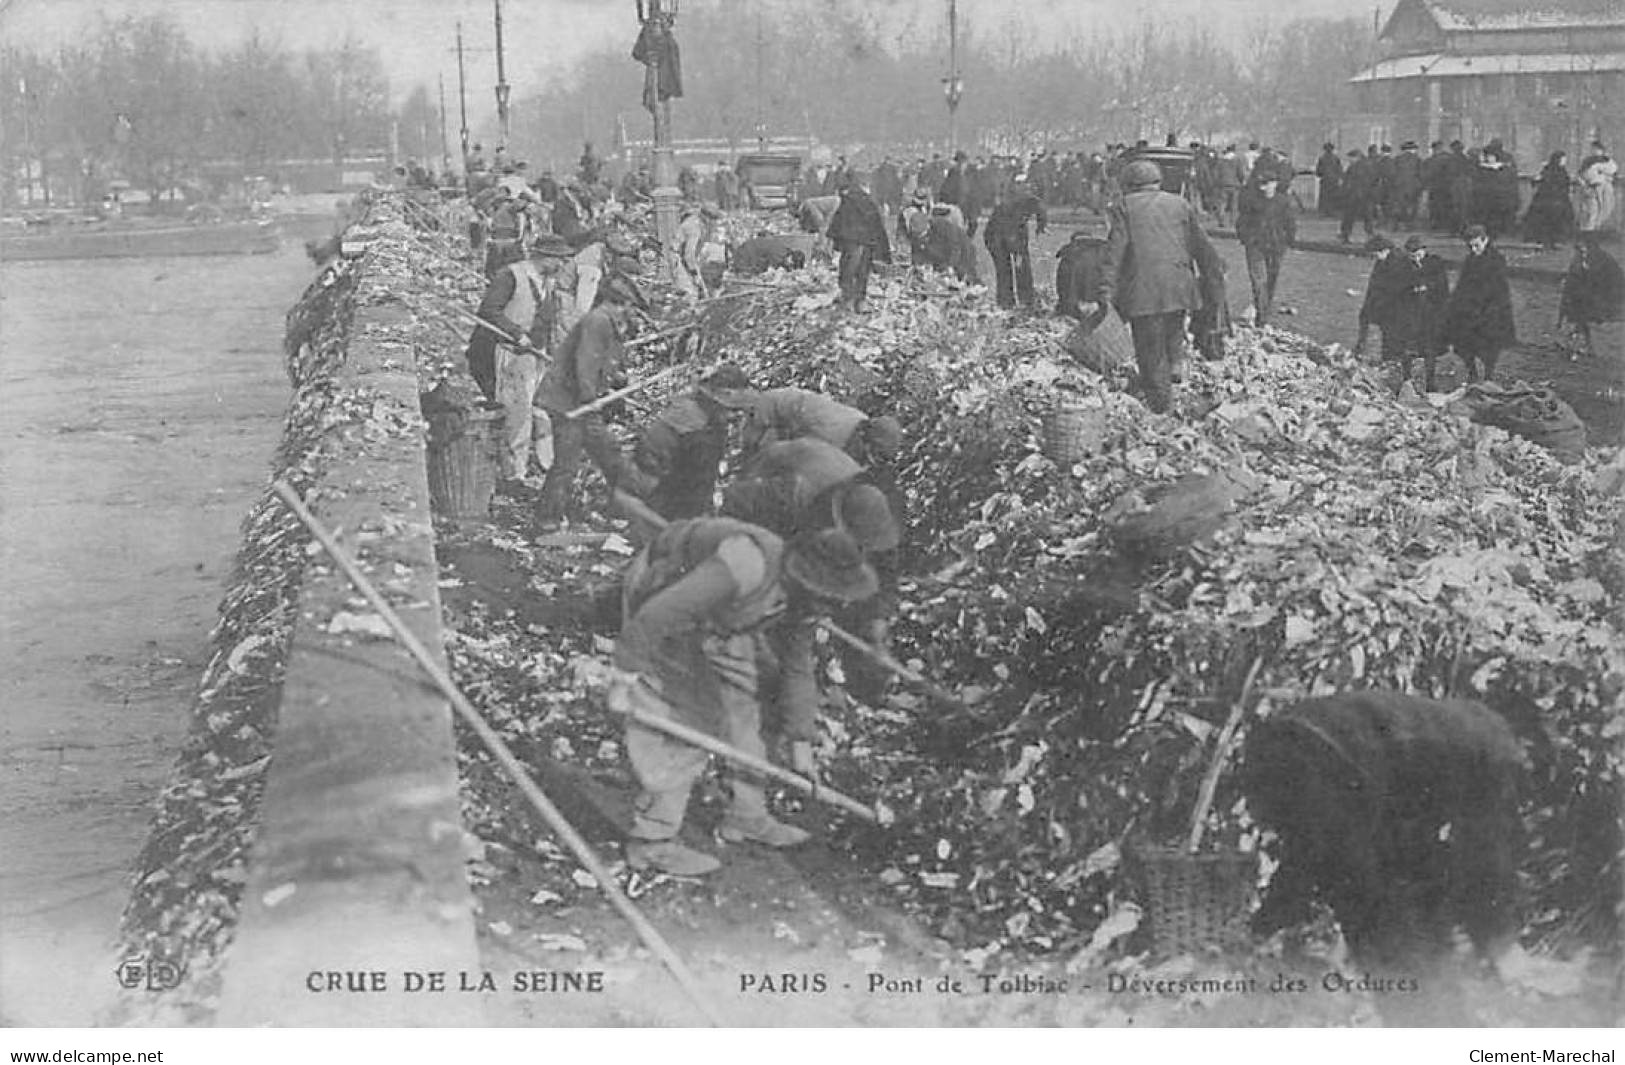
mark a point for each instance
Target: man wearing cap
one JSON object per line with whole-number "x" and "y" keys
{"x": 1006, "y": 240}
{"x": 530, "y": 302}
{"x": 676, "y": 460}
{"x": 1266, "y": 229}
{"x": 1149, "y": 273}
{"x": 703, "y": 603}
{"x": 859, "y": 233}
{"x": 1422, "y": 290}
{"x": 1478, "y": 321}
{"x": 584, "y": 367}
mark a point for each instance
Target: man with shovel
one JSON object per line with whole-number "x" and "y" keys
{"x": 698, "y": 603}
{"x": 528, "y": 306}
{"x": 585, "y": 367}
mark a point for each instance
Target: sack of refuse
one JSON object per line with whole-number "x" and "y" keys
{"x": 1536, "y": 414}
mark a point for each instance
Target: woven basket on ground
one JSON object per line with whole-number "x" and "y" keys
{"x": 1102, "y": 346}
{"x": 1194, "y": 902}
{"x": 1073, "y": 432}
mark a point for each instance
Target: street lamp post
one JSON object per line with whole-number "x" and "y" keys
{"x": 503, "y": 88}
{"x": 658, "y": 18}
{"x": 952, "y": 86}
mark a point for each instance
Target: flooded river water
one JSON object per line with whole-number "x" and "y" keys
{"x": 140, "y": 403}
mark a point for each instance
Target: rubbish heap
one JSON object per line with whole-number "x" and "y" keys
{"x": 1099, "y": 611}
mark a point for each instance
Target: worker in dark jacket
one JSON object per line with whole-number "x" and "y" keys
{"x": 703, "y": 603}
{"x": 959, "y": 188}
{"x": 1266, "y": 229}
{"x": 1478, "y": 320}
{"x": 1422, "y": 291}
{"x": 585, "y": 367}
{"x": 938, "y": 242}
{"x": 859, "y": 233}
{"x": 676, "y": 460}
{"x": 1006, "y": 240}
{"x": 1154, "y": 244}
{"x": 1359, "y": 190}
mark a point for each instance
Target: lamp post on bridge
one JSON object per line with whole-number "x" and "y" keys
{"x": 655, "y": 49}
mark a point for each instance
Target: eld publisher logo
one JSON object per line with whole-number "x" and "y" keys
{"x": 155, "y": 974}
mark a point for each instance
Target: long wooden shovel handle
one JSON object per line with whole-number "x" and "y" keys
{"x": 621, "y": 393}
{"x": 476, "y": 320}
{"x": 516, "y": 770}
{"x": 887, "y": 662}
{"x": 1210, "y": 781}
{"x": 706, "y": 742}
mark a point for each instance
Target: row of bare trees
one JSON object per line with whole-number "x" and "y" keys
{"x": 851, "y": 79}
{"x": 138, "y": 102}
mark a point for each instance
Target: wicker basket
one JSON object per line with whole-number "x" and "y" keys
{"x": 462, "y": 461}
{"x": 1195, "y": 902}
{"x": 1072, "y": 433}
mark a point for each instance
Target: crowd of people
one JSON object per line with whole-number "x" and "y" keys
{"x": 1153, "y": 264}
{"x": 1454, "y": 187}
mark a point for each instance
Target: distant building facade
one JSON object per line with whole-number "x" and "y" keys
{"x": 1541, "y": 75}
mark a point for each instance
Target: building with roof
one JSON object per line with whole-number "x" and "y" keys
{"x": 1540, "y": 75}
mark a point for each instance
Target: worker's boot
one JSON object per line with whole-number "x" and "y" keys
{"x": 748, "y": 821}
{"x": 669, "y": 856}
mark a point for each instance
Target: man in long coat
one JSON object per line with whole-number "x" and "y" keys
{"x": 1422, "y": 292}
{"x": 1329, "y": 170}
{"x": 1006, "y": 240}
{"x": 859, "y": 233}
{"x": 1149, "y": 273}
{"x": 1478, "y": 321}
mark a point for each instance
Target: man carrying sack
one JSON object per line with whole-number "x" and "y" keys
{"x": 698, "y": 602}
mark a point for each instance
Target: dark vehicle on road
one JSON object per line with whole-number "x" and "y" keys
{"x": 773, "y": 180}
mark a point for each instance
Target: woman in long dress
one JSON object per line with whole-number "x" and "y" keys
{"x": 1550, "y": 218}
{"x": 1597, "y": 173}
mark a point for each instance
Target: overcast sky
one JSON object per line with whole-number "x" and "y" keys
{"x": 417, "y": 37}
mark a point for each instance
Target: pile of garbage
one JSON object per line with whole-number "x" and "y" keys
{"x": 1100, "y": 613}
{"x": 1097, "y": 598}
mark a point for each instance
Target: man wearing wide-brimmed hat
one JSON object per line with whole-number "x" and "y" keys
{"x": 679, "y": 453}
{"x": 699, "y": 601}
